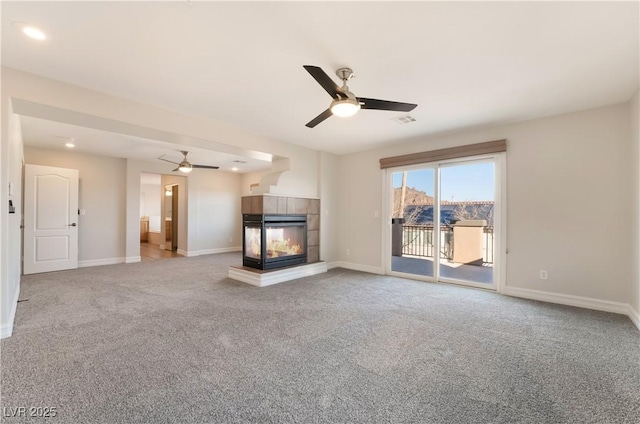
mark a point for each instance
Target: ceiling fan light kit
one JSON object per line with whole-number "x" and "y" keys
{"x": 345, "y": 107}
{"x": 185, "y": 167}
{"x": 344, "y": 102}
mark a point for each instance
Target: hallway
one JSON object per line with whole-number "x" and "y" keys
{"x": 152, "y": 252}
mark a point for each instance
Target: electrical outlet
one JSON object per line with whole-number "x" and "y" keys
{"x": 230, "y": 239}
{"x": 543, "y": 274}
{"x": 348, "y": 252}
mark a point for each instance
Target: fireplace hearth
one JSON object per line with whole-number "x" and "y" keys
{"x": 274, "y": 241}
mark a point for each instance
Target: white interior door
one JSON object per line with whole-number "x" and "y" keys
{"x": 50, "y": 219}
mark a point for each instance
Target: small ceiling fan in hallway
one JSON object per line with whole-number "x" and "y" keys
{"x": 185, "y": 166}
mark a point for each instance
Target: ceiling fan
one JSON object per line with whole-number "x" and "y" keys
{"x": 345, "y": 103}
{"x": 185, "y": 166}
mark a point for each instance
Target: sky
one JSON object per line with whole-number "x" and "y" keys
{"x": 462, "y": 182}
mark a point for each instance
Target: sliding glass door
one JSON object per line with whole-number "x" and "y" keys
{"x": 412, "y": 225}
{"x": 467, "y": 204}
{"x": 443, "y": 222}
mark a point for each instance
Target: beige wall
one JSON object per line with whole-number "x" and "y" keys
{"x": 214, "y": 207}
{"x": 11, "y": 158}
{"x": 360, "y": 238}
{"x": 634, "y": 300}
{"x": 101, "y": 231}
{"x": 209, "y": 205}
{"x": 330, "y": 210}
{"x": 570, "y": 181}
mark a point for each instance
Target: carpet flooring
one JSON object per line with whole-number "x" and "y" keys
{"x": 176, "y": 341}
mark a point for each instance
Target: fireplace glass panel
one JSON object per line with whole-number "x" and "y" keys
{"x": 285, "y": 241}
{"x": 252, "y": 242}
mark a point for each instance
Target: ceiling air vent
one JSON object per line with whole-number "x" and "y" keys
{"x": 404, "y": 119}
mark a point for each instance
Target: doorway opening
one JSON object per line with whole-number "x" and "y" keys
{"x": 171, "y": 195}
{"x": 153, "y": 228}
{"x": 445, "y": 221}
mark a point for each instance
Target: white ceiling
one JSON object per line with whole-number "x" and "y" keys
{"x": 465, "y": 64}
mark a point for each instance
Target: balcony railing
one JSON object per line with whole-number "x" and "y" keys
{"x": 417, "y": 240}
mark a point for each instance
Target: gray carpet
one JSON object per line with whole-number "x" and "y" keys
{"x": 176, "y": 341}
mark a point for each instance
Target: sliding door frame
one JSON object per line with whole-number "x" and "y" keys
{"x": 500, "y": 218}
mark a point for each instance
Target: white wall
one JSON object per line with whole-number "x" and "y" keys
{"x": 570, "y": 183}
{"x": 152, "y": 195}
{"x": 101, "y": 231}
{"x": 251, "y": 178}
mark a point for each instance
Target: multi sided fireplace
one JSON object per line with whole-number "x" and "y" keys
{"x": 274, "y": 241}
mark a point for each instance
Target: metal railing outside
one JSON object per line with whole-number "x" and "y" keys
{"x": 417, "y": 240}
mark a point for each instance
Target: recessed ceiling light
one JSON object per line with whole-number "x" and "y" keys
{"x": 70, "y": 145}
{"x": 30, "y": 31}
{"x": 234, "y": 169}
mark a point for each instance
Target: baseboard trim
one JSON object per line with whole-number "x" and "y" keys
{"x": 570, "y": 300}
{"x": 358, "y": 267}
{"x": 634, "y": 316}
{"x": 334, "y": 264}
{"x": 132, "y": 259}
{"x": 100, "y": 262}
{"x": 210, "y": 251}
{"x": 7, "y": 329}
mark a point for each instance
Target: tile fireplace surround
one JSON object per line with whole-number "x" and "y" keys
{"x": 284, "y": 205}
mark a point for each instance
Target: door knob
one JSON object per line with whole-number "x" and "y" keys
{"x": 72, "y": 225}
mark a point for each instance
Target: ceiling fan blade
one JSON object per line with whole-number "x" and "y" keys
{"x": 385, "y": 105}
{"x": 315, "y": 121}
{"x": 325, "y": 81}
{"x": 166, "y": 160}
{"x": 205, "y": 166}
{"x": 175, "y": 170}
